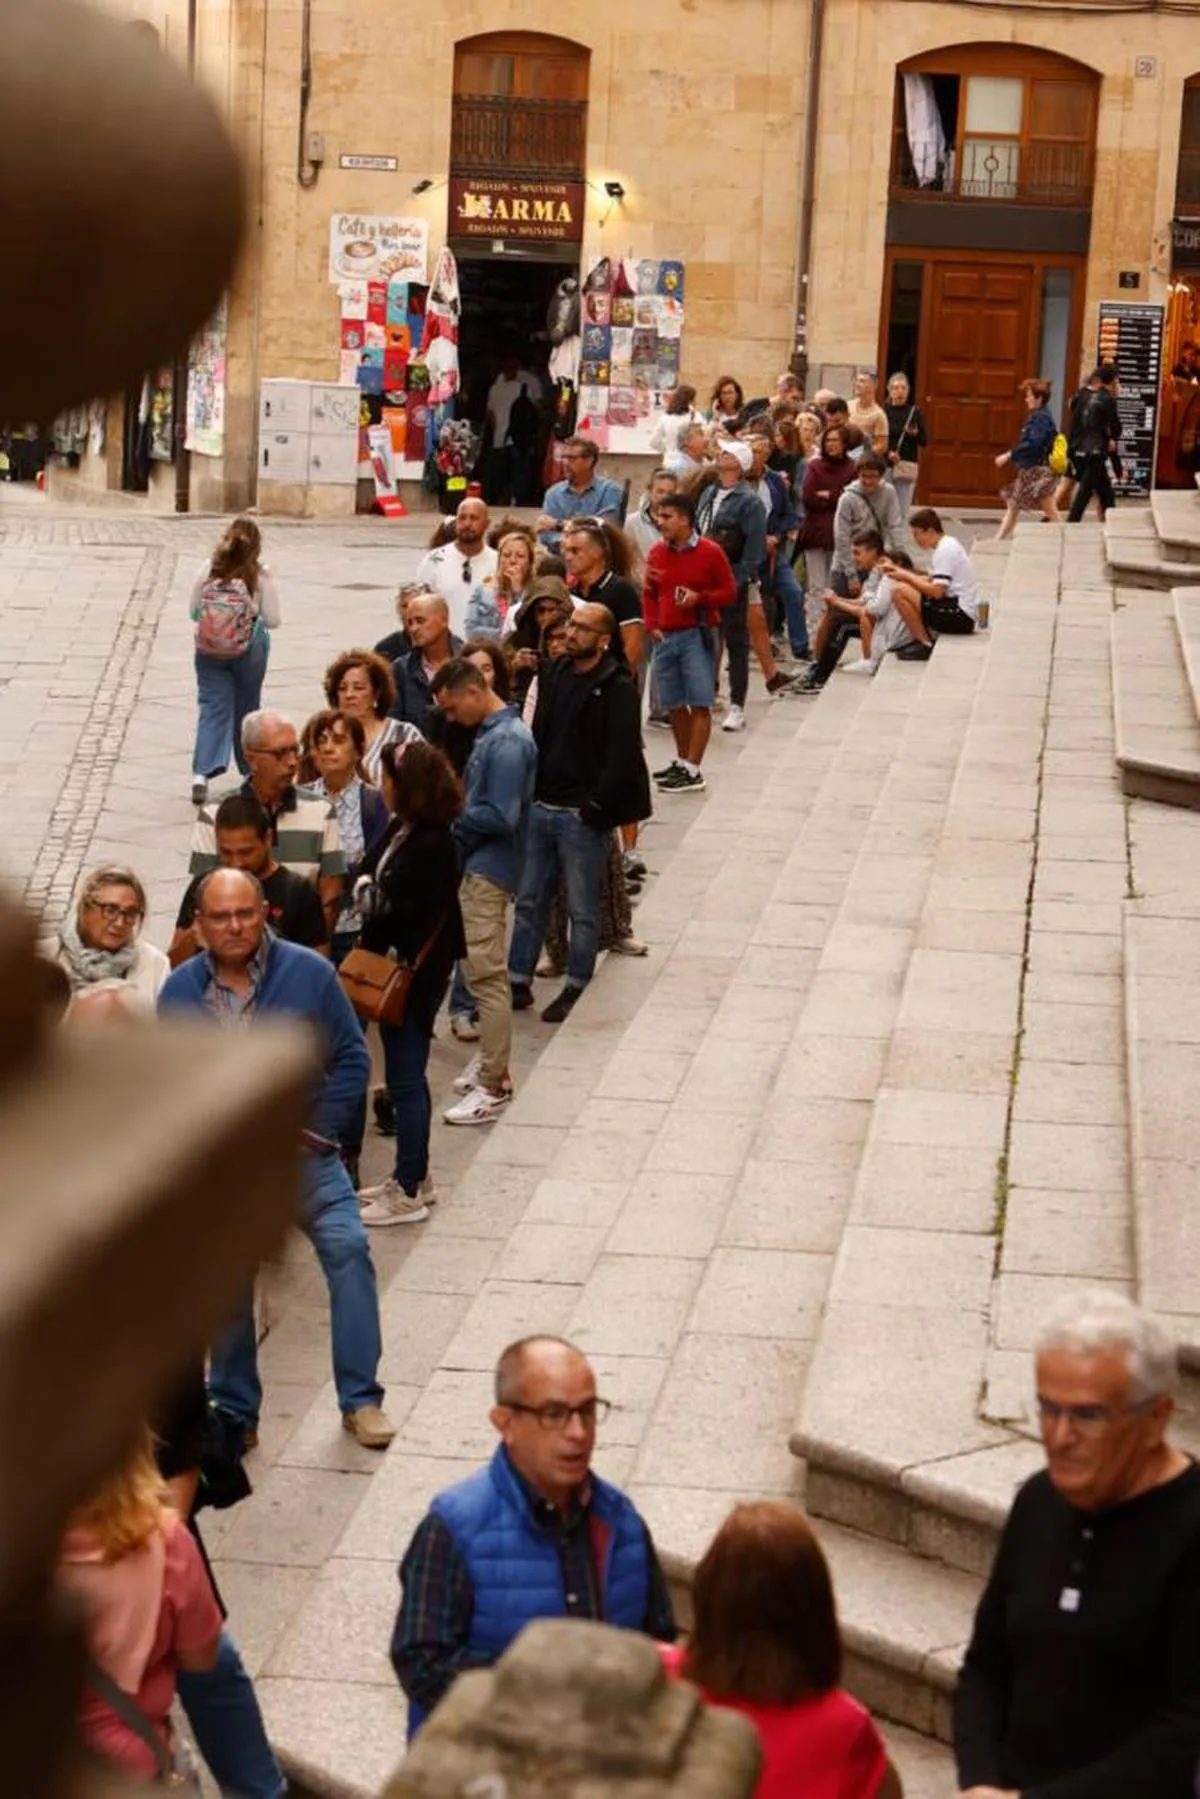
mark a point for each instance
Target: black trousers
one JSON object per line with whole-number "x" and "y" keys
{"x": 736, "y": 632}
{"x": 844, "y": 629}
{"x": 1094, "y": 478}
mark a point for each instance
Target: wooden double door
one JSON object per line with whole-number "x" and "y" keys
{"x": 978, "y": 324}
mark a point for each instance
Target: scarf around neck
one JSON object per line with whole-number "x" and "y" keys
{"x": 85, "y": 965}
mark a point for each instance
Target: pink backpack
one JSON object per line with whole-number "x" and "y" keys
{"x": 226, "y": 616}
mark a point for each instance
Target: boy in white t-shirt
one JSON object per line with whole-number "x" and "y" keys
{"x": 945, "y": 602}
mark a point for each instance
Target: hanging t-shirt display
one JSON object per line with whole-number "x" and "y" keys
{"x": 632, "y": 331}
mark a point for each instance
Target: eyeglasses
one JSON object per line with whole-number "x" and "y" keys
{"x": 466, "y": 568}
{"x": 112, "y": 914}
{"x": 1088, "y": 1420}
{"x": 556, "y": 1416}
{"x": 243, "y": 915}
{"x": 282, "y": 753}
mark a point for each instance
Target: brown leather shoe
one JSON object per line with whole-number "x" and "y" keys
{"x": 370, "y": 1426}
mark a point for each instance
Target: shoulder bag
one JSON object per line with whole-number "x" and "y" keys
{"x": 378, "y": 986}
{"x": 175, "y": 1768}
{"x": 905, "y": 469}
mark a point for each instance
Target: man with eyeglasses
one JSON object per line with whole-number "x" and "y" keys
{"x": 304, "y": 828}
{"x": 535, "y": 1534}
{"x": 583, "y": 494}
{"x": 246, "y": 973}
{"x": 1082, "y": 1678}
{"x": 463, "y": 571}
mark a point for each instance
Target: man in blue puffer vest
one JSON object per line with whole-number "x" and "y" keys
{"x": 535, "y": 1534}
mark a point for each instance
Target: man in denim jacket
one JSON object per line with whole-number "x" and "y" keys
{"x": 491, "y": 836}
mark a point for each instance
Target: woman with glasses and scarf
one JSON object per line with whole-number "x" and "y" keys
{"x": 101, "y": 950}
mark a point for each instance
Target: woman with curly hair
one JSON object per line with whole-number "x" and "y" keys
{"x": 361, "y": 684}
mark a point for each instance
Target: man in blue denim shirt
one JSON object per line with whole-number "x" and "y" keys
{"x": 490, "y": 832}
{"x": 584, "y": 493}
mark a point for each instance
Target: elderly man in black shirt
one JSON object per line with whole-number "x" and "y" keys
{"x": 1082, "y": 1679}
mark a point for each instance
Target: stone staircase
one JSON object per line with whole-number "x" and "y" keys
{"x": 803, "y": 1182}
{"x": 1156, "y": 545}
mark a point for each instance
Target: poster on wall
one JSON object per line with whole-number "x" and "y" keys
{"x": 630, "y": 351}
{"x": 1131, "y": 335}
{"x": 365, "y": 246}
{"x": 206, "y": 388}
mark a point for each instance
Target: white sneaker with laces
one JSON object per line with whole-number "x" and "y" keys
{"x": 734, "y": 720}
{"x": 428, "y": 1192}
{"x": 479, "y": 1106}
{"x": 863, "y": 666}
{"x": 463, "y": 1027}
{"x": 393, "y": 1205}
{"x": 469, "y": 1077}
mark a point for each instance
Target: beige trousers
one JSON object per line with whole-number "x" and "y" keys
{"x": 485, "y": 917}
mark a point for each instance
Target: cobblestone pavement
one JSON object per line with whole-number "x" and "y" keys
{"x": 546, "y": 1223}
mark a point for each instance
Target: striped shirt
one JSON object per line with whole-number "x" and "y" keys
{"x": 304, "y": 834}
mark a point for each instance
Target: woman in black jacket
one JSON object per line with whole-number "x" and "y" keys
{"x": 409, "y": 896}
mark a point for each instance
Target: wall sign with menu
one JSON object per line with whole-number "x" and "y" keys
{"x": 1131, "y": 335}
{"x": 366, "y": 246}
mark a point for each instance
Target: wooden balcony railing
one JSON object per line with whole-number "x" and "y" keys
{"x": 491, "y": 135}
{"x": 1023, "y": 174}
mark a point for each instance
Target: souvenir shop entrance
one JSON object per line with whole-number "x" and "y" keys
{"x": 509, "y": 303}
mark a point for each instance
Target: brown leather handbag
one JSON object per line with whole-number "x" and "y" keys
{"x": 378, "y": 986}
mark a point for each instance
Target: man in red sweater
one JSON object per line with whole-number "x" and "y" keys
{"x": 687, "y": 582}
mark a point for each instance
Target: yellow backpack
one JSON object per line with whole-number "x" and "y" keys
{"x": 1057, "y": 459}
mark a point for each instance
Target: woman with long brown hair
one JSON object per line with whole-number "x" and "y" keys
{"x": 1036, "y": 482}
{"x": 234, "y": 608}
{"x": 765, "y": 1642}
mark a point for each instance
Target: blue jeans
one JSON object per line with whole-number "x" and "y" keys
{"x": 559, "y": 844}
{"x": 330, "y": 1220}
{"x": 787, "y": 588}
{"x": 222, "y": 1709}
{"x": 226, "y": 692}
{"x": 462, "y": 1000}
{"x": 405, "y": 1060}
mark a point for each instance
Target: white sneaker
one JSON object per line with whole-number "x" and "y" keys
{"x": 629, "y": 946}
{"x": 469, "y": 1077}
{"x": 428, "y": 1192}
{"x": 463, "y": 1027}
{"x": 863, "y": 666}
{"x": 479, "y": 1106}
{"x": 734, "y": 720}
{"x": 394, "y": 1206}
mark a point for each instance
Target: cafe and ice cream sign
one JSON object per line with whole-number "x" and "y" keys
{"x": 550, "y": 211}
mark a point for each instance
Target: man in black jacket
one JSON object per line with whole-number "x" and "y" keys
{"x": 1097, "y": 437}
{"x": 591, "y": 776}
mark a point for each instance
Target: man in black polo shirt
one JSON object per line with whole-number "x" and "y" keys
{"x": 1082, "y": 1679}
{"x": 294, "y": 909}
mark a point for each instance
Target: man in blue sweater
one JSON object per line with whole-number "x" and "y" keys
{"x": 535, "y": 1534}
{"x": 490, "y": 832}
{"x": 243, "y": 971}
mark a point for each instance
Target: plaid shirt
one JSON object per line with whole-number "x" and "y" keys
{"x": 433, "y": 1624}
{"x": 227, "y": 1006}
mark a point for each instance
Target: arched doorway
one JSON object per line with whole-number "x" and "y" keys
{"x": 989, "y": 219}
{"x": 518, "y": 148}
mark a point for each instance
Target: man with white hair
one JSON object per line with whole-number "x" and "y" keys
{"x": 304, "y": 827}
{"x": 1082, "y": 1678}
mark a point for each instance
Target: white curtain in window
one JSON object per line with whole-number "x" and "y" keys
{"x": 926, "y": 134}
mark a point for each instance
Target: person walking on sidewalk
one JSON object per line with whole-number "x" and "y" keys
{"x": 535, "y": 1534}
{"x": 490, "y": 833}
{"x": 688, "y": 584}
{"x": 234, "y": 608}
{"x": 591, "y": 776}
{"x": 246, "y": 973}
{"x": 1098, "y": 439}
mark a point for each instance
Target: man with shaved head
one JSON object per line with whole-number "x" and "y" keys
{"x": 243, "y": 972}
{"x": 535, "y": 1534}
{"x": 591, "y": 777}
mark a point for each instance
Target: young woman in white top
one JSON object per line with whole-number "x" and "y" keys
{"x": 229, "y": 686}
{"x": 680, "y": 412}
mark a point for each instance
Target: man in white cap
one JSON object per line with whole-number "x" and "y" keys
{"x": 731, "y": 513}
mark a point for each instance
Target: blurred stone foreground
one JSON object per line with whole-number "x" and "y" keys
{"x": 141, "y": 1180}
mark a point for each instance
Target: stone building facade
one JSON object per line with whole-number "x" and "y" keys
{"x": 963, "y": 184}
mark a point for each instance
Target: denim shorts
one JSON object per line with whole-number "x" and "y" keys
{"x": 684, "y": 668}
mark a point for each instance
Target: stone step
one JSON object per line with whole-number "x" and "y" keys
{"x": 1185, "y": 605}
{"x": 907, "y": 1314}
{"x": 1176, "y": 515}
{"x": 1135, "y": 554}
{"x": 1157, "y": 731}
{"x": 926, "y": 1768}
{"x": 1162, "y": 1039}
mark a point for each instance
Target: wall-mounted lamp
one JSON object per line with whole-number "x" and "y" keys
{"x": 615, "y": 190}
{"x": 423, "y": 187}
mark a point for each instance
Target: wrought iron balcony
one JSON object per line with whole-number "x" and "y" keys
{"x": 496, "y": 136}
{"x": 1023, "y": 174}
